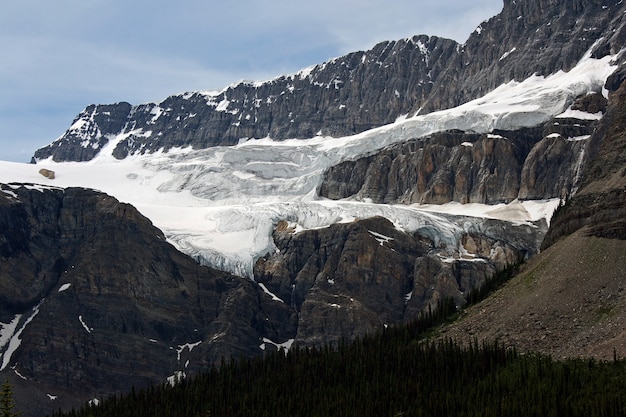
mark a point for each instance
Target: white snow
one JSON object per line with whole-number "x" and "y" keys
{"x": 382, "y": 239}
{"x": 578, "y": 138}
{"x": 176, "y": 378}
{"x": 285, "y": 345}
{"x": 506, "y": 54}
{"x": 268, "y": 292}
{"x": 577, "y": 114}
{"x": 64, "y": 287}
{"x": 7, "y": 330}
{"x": 15, "y": 341}
{"x": 82, "y": 322}
{"x": 18, "y": 374}
{"x": 52, "y": 397}
{"x": 189, "y": 346}
{"x": 220, "y": 205}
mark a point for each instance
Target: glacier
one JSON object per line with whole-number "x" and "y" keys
{"x": 221, "y": 204}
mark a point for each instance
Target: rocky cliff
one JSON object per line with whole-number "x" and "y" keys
{"x": 93, "y": 300}
{"x": 600, "y": 204}
{"x": 355, "y": 278}
{"x": 361, "y": 90}
{"x": 569, "y": 301}
{"x": 501, "y": 166}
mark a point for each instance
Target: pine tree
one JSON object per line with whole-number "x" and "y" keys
{"x": 6, "y": 401}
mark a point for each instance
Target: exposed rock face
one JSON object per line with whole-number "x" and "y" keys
{"x": 600, "y": 203}
{"x": 101, "y": 302}
{"x": 351, "y": 279}
{"x": 569, "y": 301}
{"x": 106, "y": 303}
{"x": 361, "y": 90}
{"x": 526, "y": 38}
{"x": 542, "y": 162}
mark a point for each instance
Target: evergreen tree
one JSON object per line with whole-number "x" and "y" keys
{"x": 6, "y": 401}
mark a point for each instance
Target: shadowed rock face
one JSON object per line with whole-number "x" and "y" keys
{"x": 361, "y": 90}
{"x": 569, "y": 301}
{"x": 601, "y": 202}
{"x": 111, "y": 304}
{"x": 533, "y": 163}
{"x": 351, "y": 279}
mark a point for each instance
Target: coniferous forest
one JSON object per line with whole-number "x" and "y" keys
{"x": 393, "y": 373}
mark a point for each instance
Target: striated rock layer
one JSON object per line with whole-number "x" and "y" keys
{"x": 531, "y": 163}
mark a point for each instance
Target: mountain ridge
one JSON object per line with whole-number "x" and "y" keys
{"x": 358, "y": 91}
{"x": 322, "y": 269}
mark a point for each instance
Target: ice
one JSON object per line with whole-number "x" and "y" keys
{"x": 221, "y": 204}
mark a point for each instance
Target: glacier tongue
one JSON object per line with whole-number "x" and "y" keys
{"x": 220, "y": 204}
{"x": 265, "y": 170}
{"x": 238, "y": 235}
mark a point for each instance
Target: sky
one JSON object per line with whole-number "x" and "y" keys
{"x": 57, "y": 57}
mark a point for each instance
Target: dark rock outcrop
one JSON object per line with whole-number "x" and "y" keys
{"x": 351, "y": 279}
{"x": 532, "y": 163}
{"x": 361, "y": 90}
{"x": 600, "y": 204}
{"x": 106, "y": 303}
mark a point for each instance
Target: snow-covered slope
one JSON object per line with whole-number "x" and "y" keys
{"x": 220, "y": 204}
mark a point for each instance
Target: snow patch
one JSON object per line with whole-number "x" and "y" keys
{"x": 506, "y": 54}
{"x": 176, "y": 378}
{"x": 268, "y": 292}
{"x": 82, "y": 322}
{"x": 15, "y": 340}
{"x": 18, "y": 374}
{"x": 280, "y": 346}
{"x": 64, "y": 287}
{"x": 581, "y": 115}
{"x": 382, "y": 239}
{"x": 189, "y": 346}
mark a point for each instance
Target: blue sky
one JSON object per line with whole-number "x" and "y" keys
{"x": 59, "y": 56}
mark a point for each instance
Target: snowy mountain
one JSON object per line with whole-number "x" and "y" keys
{"x": 321, "y": 205}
